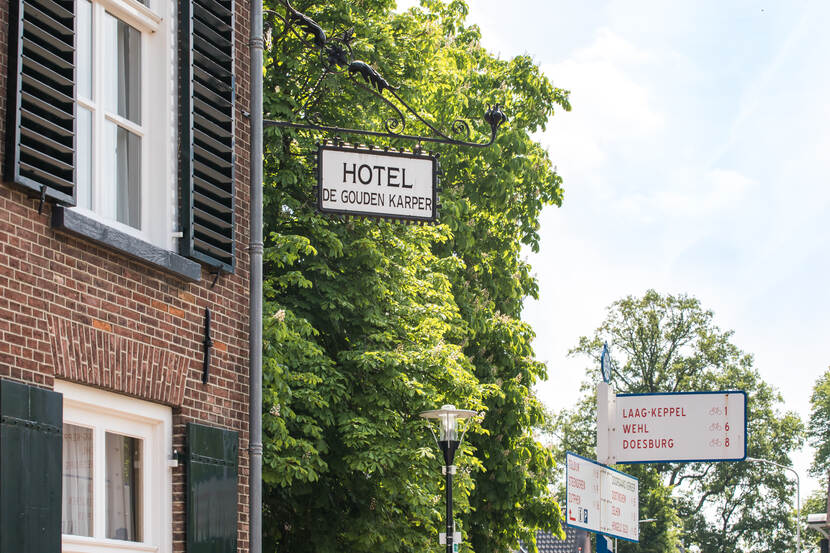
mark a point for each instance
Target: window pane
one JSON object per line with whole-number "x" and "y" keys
{"x": 83, "y": 185}
{"x": 123, "y": 456}
{"x": 129, "y": 178}
{"x": 77, "y": 481}
{"x": 121, "y": 182}
{"x": 122, "y": 69}
{"x": 83, "y": 36}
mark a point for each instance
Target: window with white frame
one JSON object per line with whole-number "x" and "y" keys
{"x": 116, "y": 494}
{"x": 125, "y": 94}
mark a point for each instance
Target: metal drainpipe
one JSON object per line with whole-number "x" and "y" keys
{"x": 255, "y": 313}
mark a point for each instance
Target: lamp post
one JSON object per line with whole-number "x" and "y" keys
{"x": 448, "y": 442}
{"x": 798, "y": 496}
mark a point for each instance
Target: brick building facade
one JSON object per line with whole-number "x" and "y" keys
{"x": 100, "y": 309}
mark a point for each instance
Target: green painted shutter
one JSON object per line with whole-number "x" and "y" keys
{"x": 40, "y": 131}
{"x": 30, "y": 468}
{"x": 212, "y": 498}
{"x": 206, "y": 129}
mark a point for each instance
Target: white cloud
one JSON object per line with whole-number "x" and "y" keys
{"x": 753, "y": 98}
{"x": 612, "y": 105}
{"x": 702, "y": 193}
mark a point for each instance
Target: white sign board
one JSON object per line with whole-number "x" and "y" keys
{"x": 442, "y": 538}
{"x": 680, "y": 427}
{"x": 376, "y": 183}
{"x": 601, "y": 499}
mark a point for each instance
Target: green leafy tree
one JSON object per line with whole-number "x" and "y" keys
{"x": 671, "y": 344}
{"x": 818, "y": 435}
{"x": 818, "y": 430}
{"x": 368, "y": 323}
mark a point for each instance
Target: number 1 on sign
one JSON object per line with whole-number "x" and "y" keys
{"x": 726, "y": 427}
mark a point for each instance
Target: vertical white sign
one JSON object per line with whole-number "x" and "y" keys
{"x": 582, "y": 493}
{"x": 619, "y": 497}
{"x": 600, "y": 499}
{"x": 606, "y": 412}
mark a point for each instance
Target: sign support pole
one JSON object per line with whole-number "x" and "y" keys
{"x": 606, "y": 420}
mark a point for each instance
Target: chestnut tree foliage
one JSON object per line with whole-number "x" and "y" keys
{"x": 667, "y": 343}
{"x": 367, "y": 323}
{"x": 818, "y": 431}
{"x": 818, "y": 436}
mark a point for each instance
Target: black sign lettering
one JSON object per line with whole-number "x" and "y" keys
{"x": 346, "y": 172}
{"x": 392, "y": 177}
{"x": 360, "y": 174}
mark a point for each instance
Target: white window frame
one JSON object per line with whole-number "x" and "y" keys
{"x": 153, "y": 424}
{"x": 159, "y": 193}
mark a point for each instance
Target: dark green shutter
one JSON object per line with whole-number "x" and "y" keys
{"x": 40, "y": 133}
{"x": 207, "y": 126}
{"x": 212, "y": 499}
{"x": 31, "y": 447}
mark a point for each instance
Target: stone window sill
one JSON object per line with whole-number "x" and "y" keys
{"x": 72, "y": 222}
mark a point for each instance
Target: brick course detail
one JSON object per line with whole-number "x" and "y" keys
{"x": 98, "y": 357}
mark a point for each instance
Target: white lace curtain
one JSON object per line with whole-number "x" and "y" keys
{"x": 122, "y": 487}
{"x": 77, "y": 480}
{"x": 123, "y": 478}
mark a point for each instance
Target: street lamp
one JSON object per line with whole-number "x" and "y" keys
{"x": 797, "y": 491}
{"x": 448, "y": 442}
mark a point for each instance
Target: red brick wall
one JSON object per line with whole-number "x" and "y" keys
{"x": 71, "y": 309}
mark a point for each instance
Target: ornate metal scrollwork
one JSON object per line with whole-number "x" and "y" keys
{"x": 336, "y": 56}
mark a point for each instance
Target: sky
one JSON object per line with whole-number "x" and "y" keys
{"x": 696, "y": 160}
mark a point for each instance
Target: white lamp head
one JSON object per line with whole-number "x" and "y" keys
{"x": 448, "y": 416}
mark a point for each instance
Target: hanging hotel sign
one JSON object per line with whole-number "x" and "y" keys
{"x": 377, "y": 183}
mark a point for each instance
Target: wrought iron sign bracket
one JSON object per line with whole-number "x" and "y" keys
{"x": 336, "y": 56}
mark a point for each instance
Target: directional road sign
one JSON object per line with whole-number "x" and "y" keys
{"x": 601, "y": 499}
{"x": 679, "y": 427}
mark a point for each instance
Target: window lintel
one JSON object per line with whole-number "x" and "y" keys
{"x": 134, "y": 13}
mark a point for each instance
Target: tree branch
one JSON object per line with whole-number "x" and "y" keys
{"x": 699, "y": 476}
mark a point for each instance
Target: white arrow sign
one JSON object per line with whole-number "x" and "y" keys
{"x": 679, "y": 427}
